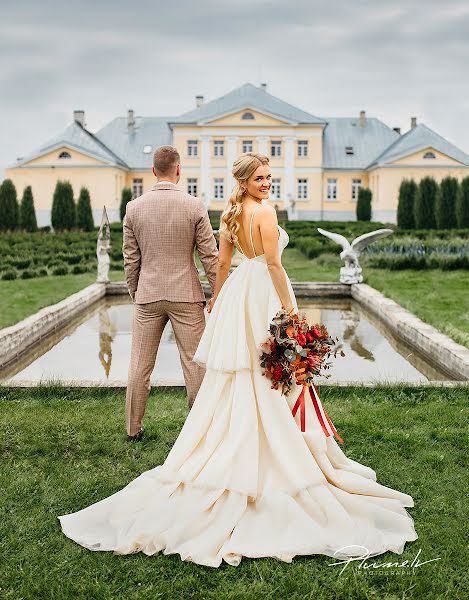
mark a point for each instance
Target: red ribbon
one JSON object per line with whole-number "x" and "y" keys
{"x": 300, "y": 404}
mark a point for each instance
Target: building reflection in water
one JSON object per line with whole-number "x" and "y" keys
{"x": 107, "y": 332}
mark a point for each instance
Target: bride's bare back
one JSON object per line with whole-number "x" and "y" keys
{"x": 245, "y": 220}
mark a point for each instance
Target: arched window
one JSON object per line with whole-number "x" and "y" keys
{"x": 65, "y": 154}
{"x": 248, "y": 116}
{"x": 429, "y": 155}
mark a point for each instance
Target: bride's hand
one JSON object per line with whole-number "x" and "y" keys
{"x": 289, "y": 309}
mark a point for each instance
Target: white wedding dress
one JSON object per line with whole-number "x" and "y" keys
{"x": 242, "y": 479}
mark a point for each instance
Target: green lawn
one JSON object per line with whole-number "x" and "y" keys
{"x": 62, "y": 449}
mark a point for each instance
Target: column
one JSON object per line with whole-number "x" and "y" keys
{"x": 262, "y": 144}
{"x": 206, "y": 187}
{"x": 231, "y": 153}
{"x": 289, "y": 179}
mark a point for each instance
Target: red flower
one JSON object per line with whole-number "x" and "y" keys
{"x": 316, "y": 333}
{"x": 301, "y": 339}
{"x": 309, "y": 337}
{"x": 277, "y": 374}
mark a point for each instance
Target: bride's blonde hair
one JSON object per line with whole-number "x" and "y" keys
{"x": 243, "y": 167}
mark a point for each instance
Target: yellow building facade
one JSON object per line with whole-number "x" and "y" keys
{"x": 318, "y": 164}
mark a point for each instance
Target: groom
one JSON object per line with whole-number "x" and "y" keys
{"x": 161, "y": 229}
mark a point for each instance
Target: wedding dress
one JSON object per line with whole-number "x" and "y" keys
{"x": 242, "y": 479}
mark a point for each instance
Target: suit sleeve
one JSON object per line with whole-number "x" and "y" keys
{"x": 206, "y": 244}
{"x": 132, "y": 256}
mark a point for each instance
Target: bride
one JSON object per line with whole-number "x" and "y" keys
{"x": 242, "y": 479}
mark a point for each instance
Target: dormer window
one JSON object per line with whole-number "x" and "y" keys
{"x": 147, "y": 149}
{"x": 429, "y": 155}
{"x": 349, "y": 150}
{"x": 65, "y": 154}
{"x": 247, "y": 116}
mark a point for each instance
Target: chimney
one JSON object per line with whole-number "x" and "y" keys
{"x": 199, "y": 100}
{"x": 362, "y": 118}
{"x": 397, "y": 130}
{"x": 130, "y": 120}
{"x": 413, "y": 122}
{"x": 79, "y": 117}
{"x": 264, "y": 86}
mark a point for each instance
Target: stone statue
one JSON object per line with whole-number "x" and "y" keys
{"x": 102, "y": 249}
{"x": 352, "y": 272}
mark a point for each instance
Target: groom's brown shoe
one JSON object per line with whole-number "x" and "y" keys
{"x": 137, "y": 437}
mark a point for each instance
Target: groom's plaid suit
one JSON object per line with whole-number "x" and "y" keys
{"x": 161, "y": 229}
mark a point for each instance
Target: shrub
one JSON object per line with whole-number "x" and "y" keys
{"x": 28, "y": 274}
{"x": 425, "y": 203}
{"x": 60, "y": 270}
{"x": 9, "y": 275}
{"x": 445, "y": 206}
{"x": 63, "y": 213}
{"x": 126, "y": 197}
{"x": 78, "y": 269}
{"x": 22, "y": 264}
{"x": 462, "y": 204}
{"x": 406, "y": 204}
{"x": 84, "y": 212}
{"x": 364, "y": 204}
{"x": 43, "y": 272}
{"x": 9, "y": 210}
{"x": 28, "y": 220}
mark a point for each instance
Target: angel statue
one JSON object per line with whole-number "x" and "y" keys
{"x": 102, "y": 248}
{"x": 352, "y": 272}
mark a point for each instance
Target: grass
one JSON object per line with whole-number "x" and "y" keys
{"x": 63, "y": 449}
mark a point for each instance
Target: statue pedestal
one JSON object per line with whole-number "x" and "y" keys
{"x": 351, "y": 275}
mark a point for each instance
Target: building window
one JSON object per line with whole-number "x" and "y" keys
{"x": 65, "y": 154}
{"x": 192, "y": 148}
{"x": 426, "y": 155}
{"x": 247, "y": 146}
{"x": 248, "y": 116}
{"x": 219, "y": 191}
{"x": 276, "y": 148}
{"x": 302, "y": 189}
{"x": 147, "y": 149}
{"x": 137, "y": 187}
{"x": 218, "y": 148}
{"x": 332, "y": 189}
{"x": 275, "y": 189}
{"x": 356, "y": 185}
{"x": 192, "y": 186}
{"x": 349, "y": 150}
{"x": 302, "y": 148}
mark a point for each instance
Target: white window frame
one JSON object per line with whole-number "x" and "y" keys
{"x": 302, "y": 148}
{"x": 218, "y": 188}
{"x": 276, "y": 148}
{"x": 192, "y": 186}
{"x": 218, "y": 148}
{"x": 332, "y": 189}
{"x": 137, "y": 187}
{"x": 356, "y": 185}
{"x": 302, "y": 188}
{"x": 192, "y": 148}
{"x": 247, "y": 144}
{"x": 276, "y": 189}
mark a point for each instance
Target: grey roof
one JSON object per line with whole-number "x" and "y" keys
{"x": 416, "y": 139}
{"x": 75, "y": 136}
{"x": 148, "y": 131}
{"x": 367, "y": 142}
{"x": 248, "y": 96}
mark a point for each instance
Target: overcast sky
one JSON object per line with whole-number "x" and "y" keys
{"x": 394, "y": 59}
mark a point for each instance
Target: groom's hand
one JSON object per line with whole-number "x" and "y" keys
{"x": 210, "y": 304}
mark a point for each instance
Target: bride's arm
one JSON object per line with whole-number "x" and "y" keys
{"x": 225, "y": 252}
{"x": 269, "y": 234}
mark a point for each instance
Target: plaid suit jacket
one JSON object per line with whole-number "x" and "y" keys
{"x": 161, "y": 229}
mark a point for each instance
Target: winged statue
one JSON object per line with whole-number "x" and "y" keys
{"x": 352, "y": 272}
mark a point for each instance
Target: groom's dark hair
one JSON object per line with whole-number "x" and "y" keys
{"x": 165, "y": 160}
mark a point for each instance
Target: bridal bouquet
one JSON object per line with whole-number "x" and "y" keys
{"x": 296, "y": 351}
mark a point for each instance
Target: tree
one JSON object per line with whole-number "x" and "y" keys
{"x": 445, "y": 207}
{"x": 84, "y": 212}
{"x": 425, "y": 203}
{"x": 28, "y": 220}
{"x": 462, "y": 204}
{"x": 9, "y": 210}
{"x": 63, "y": 214}
{"x": 125, "y": 199}
{"x": 406, "y": 204}
{"x": 364, "y": 204}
